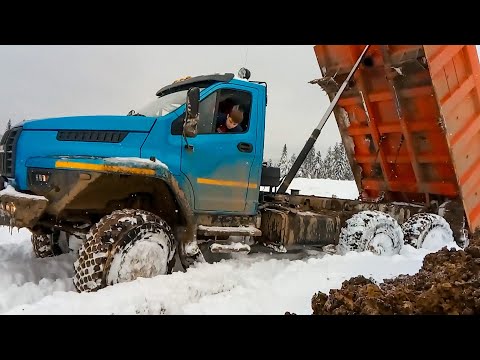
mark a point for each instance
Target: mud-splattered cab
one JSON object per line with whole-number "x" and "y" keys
{"x": 137, "y": 188}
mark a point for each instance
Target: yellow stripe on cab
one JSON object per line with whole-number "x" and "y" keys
{"x": 103, "y": 167}
{"x": 226, "y": 183}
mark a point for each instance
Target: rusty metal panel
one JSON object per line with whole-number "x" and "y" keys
{"x": 311, "y": 220}
{"x": 409, "y": 120}
{"x": 289, "y": 227}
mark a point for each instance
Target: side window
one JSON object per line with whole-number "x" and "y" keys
{"x": 214, "y": 112}
{"x": 237, "y": 104}
{"x": 207, "y": 114}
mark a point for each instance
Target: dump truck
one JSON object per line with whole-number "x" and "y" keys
{"x": 159, "y": 185}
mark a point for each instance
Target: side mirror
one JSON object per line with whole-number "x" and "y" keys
{"x": 191, "y": 118}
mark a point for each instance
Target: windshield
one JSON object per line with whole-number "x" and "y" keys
{"x": 163, "y": 105}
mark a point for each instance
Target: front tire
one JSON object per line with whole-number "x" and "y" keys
{"x": 373, "y": 231}
{"x": 123, "y": 246}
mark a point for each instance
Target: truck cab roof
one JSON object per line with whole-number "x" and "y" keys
{"x": 200, "y": 81}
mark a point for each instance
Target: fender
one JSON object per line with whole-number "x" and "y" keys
{"x": 189, "y": 251}
{"x": 138, "y": 166}
{"x": 92, "y": 168}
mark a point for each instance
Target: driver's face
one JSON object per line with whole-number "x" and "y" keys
{"x": 230, "y": 123}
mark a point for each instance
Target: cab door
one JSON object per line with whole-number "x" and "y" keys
{"x": 218, "y": 165}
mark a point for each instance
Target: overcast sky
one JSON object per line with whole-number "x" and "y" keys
{"x": 42, "y": 81}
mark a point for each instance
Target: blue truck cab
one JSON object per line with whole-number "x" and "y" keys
{"x": 85, "y": 175}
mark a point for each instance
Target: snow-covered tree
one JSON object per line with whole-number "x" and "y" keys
{"x": 307, "y": 169}
{"x": 344, "y": 170}
{"x": 333, "y": 166}
{"x": 290, "y": 164}
{"x": 319, "y": 171}
{"x": 329, "y": 165}
{"x": 283, "y": 163}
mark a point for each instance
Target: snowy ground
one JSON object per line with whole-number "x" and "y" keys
{"x": 325, "y": 187}
{"x": 244, "y": 285}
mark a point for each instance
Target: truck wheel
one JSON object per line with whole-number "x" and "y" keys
{"x": 123, "y": 246}
{"x": 426, "y": 230}
{"x": 48, "y": 245}
{"x": 373, "y": 231}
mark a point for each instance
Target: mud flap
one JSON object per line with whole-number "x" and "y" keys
{"x": 20, "y": 210}
{"x": 187, "y": 249}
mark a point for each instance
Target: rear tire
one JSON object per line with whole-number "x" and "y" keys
{"x": 123, "y": 246}
{"x": 373, "y": 231}
{"x": 427, "y": 229}
{"x": 49, "y": 244}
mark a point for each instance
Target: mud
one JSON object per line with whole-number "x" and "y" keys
{"x": 447, "y": 283}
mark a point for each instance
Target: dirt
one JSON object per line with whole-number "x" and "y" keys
{"x": 447, "y": 283}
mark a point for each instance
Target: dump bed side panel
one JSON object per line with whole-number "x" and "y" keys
{"x": 407, "y": 119}
{"x": 455, "y": 73}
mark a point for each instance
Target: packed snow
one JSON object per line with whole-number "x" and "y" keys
{"x": 234, "y": 246}
{"x": 245, "y": 284}
{"x": 136, "y": 161}
{"x": 342, "y": 189}
{"x": 10, "y": 190}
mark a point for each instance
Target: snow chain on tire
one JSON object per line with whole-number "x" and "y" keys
{"x": 46, "y": 245}
{"x": 361, "y": 231}
{"x": 115, "y": 233}
{"x": 417, "y": 227}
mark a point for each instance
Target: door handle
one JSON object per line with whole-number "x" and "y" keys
{"x": 245, "y": 147}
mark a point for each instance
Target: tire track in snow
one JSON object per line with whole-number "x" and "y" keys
{"x": 237, "y": 286}
{"x": 245, "y": 285}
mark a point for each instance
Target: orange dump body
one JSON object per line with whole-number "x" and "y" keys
{"x": 410, "y": 120}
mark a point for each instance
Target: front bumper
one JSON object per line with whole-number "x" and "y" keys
{"x": 19, "y": 209}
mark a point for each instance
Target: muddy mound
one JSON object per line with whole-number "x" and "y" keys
{"x": 447, "y": 283}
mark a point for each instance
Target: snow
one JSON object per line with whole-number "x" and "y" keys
{"x": 235, "y": 247}
{"x": 147, "y": 256}
{"x": 250, "y": 230}
{"x": 405, "y": 204}
{"x": 436, "y": 239}
{"x": 342, "y": 189}
{"x": 136, "y": 161}
{"x": 245, "y": 284}
{"x": 384, "y": 235}
{"x": 10, "y": 190}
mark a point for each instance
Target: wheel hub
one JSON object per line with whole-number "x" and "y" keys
{"x": 381, "y": 244}
{"x": 436, "y": 239}
{"x": 147, "y": 257}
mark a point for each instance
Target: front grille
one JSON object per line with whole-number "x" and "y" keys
{"x": 8, "y": 146}
{"x": 92, "y": 136}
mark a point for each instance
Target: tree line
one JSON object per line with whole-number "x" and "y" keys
{"x": 334, "y": 165}
{"x": 9, "y": 126}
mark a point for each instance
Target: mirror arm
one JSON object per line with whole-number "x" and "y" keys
{"x": 188, "y": 146}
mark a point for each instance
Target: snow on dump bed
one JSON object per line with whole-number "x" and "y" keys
{"x": 10, "y": 190}
{"x": 136, "y": 161}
